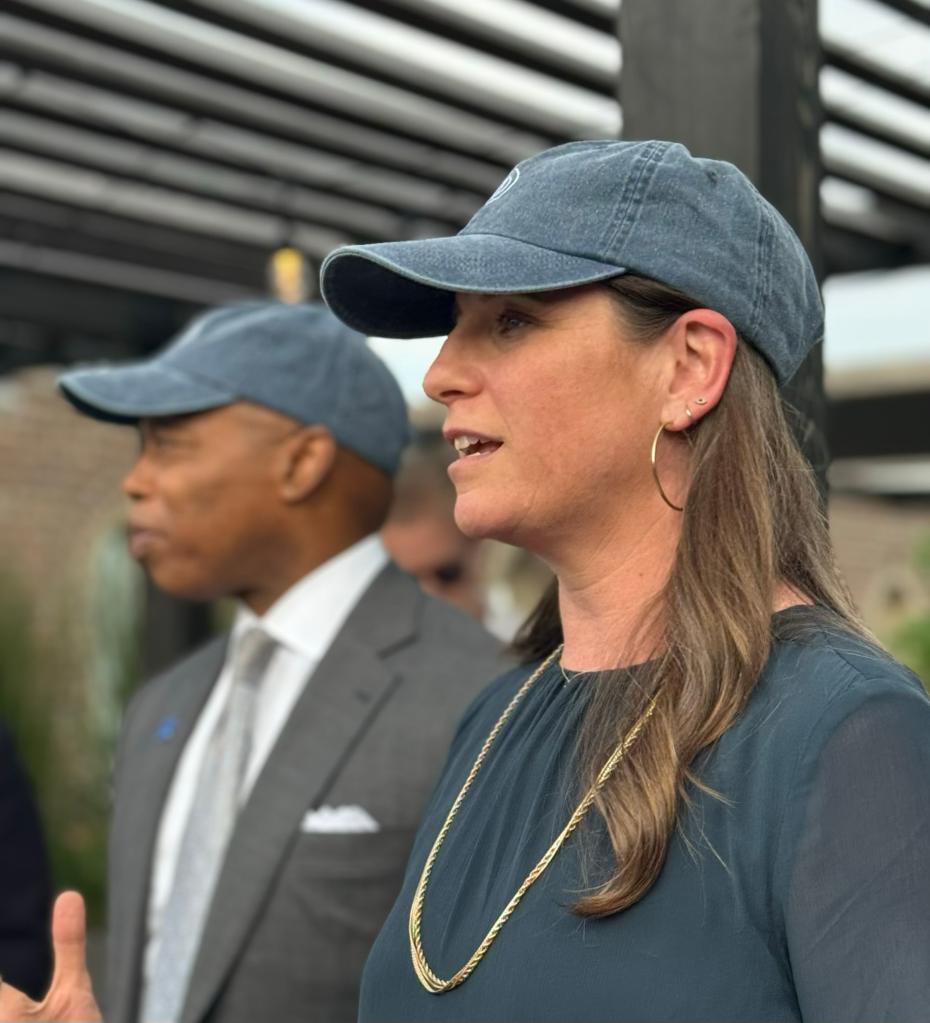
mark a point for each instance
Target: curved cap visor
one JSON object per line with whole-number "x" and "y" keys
{"x": 405, "y": 289}
{"x": 125, "y": 394}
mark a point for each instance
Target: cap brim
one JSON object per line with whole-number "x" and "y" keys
{"x": 126, "y": 394}
{"x": 405, "y": 289}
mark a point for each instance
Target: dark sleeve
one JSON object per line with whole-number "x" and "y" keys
{"x": 25, "y": 892}
{"x": 857, "y": 913}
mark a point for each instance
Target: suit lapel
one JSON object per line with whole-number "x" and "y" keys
{"x": 165, "y": 729}
{"x": 346, "y": 691}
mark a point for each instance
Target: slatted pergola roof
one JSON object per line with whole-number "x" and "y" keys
{"x": 154, "y": 155}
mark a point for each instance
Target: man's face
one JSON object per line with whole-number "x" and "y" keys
{"x": 205, "y": 513}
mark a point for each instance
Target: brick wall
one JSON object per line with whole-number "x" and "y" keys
{"x": 59, "y": 484}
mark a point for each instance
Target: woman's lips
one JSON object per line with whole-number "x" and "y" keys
{"x": 472, "y": 444}
{"x": 469, "y": 445}
{"x": 474, "y": 458}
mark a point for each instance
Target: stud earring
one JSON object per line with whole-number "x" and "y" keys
{"x": 700, "y": 401}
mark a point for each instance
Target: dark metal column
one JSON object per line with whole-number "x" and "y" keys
{"x": 738, "y": 80}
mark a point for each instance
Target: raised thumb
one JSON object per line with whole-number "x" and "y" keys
{"x": 69, "y": 939}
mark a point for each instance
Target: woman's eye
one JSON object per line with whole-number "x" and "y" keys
{"x": 507, "y": 323}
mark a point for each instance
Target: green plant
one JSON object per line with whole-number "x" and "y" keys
{"x": 911, "y": 641}
{"x": 26, "y": 716}
{"x": 63, "y": 684}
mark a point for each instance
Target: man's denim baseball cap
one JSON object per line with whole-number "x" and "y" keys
{"x": 588, "y": 211}
{"x": 296, "y": 359}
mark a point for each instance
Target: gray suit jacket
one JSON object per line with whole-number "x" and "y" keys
{"x": 295, "y": 913}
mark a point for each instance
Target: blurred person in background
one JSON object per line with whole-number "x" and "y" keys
{"x": 516, "y": 581}
{"x": 495, "y": 582}
{"x": 420, "y": 533}
{"x": 267, "y": 787}
{"x": 703, "y": 796}
{"x": 25, "y": 888}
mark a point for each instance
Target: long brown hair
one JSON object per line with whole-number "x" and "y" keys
{"x": 753, "y": 521}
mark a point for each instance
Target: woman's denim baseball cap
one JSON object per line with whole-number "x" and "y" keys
{"x": 588, "y": 211}
{"x": 296, "y": 359}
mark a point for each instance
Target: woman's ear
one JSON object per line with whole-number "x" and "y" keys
{"x": 703, "y": 346}
{"x": 305, "y": 459}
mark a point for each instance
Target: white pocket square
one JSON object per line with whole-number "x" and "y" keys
{"x": 338, "y": 820}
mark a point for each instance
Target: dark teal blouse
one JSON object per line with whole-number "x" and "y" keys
{"x": 804, "y": 895}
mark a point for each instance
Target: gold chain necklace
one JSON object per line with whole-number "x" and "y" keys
{"x": 430, "y": 980}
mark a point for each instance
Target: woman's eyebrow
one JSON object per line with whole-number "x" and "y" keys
{"x": 544, "y": 297}
{"x": 534, "y": 297}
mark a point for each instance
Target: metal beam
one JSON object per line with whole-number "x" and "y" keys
{"x": 603, "y": 10}
{"x": 920, "y": 12}
{"x": 520, "y": 31}
{"x": 847, "y": 251}
{"x": 86, "y": 321}
{"x": 429, "y": 64}
{"x": 44, "y": 137}
{"x": 92, "y": 190}
{"x": 96, "y": 63}
{"x": 244, "y": 59}
{"x": 880, "y": 425}
{"x": 874, "y": 111}
{"x": 882, "y": 131}
{"x": 848, "y": 205}
{"x": 686, "y": 71}
{"x": 838, "y": 55}
{"x": 907, "y": 244}
{"x": 57, "y": 226}
{"x": 175, "y": 129}
{"x": 109, "y": 273}
{"x": 880, "y": 167}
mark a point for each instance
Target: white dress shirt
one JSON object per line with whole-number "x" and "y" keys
{"x": 303, "y": 622}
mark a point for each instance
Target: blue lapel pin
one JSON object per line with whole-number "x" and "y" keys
{"x": 166, "y": 729}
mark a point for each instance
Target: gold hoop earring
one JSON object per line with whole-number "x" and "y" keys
{"x": 655, "y": 471}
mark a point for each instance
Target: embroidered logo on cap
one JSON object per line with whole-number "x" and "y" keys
{"x": 505, "y": 185}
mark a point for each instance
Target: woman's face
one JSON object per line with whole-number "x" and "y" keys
{"x": 562, "y": 405}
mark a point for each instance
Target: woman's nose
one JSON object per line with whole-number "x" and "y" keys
{"x": 450, "y": 376}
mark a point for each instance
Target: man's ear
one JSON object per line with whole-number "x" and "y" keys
{"x": 703, "y": 346}
{"x": 304, "y": 461}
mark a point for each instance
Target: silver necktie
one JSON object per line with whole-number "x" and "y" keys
{"x": 206, "y": 834}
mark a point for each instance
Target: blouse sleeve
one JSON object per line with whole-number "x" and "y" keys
{"x": 857, "y": 911}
